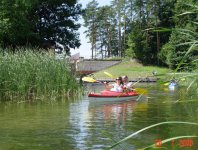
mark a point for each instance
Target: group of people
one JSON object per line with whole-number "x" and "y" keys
{"x": 121, "y": 84}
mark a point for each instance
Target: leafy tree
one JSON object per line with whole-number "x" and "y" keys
{"x": 15, "y": 27}
{"x": 56, "y": 22}
{"x": 33, "y": 22}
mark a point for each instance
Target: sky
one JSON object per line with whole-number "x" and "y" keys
{"x": 85, "y": 48}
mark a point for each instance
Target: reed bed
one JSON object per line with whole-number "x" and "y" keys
{"x": 29, "y": 75}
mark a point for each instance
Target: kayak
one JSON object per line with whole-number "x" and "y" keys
{"x": 172, "y": 86}
{"x": 112, "y": 96}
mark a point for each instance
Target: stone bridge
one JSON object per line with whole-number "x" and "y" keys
{"x": 84, "y": 67}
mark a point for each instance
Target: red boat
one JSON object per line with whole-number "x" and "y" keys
{"x": 113, "y": 96}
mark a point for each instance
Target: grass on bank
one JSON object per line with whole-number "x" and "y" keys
{"x": 132, "y": 70}
{"x": 31, "y": 75}
{"x": 136, "y": 70}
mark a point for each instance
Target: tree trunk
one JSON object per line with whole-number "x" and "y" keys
{"x": 101, "y": 45}
{"x": 108, "y": 42}
{"x": 92, "y": 48}
{"x": 95, "y": 45}
{"x": 92, "y": 41}
{"x": 131, "y": 10}
{"x": 124, "y": 43}
{"x": 119, "y": 34}
{"x": 157, "y": 34}
{"x": 158, "y": 46}
{"x": 110, "y": 48}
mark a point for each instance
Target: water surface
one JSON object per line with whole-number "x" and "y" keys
{"x": 81, "y": 124}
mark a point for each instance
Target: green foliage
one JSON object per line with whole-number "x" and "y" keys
{"x": 140, "y": 48}
{"x": 32, "y": 75}
{"x": 179, "y": 51}
{"x": 90, "y": 22}
{"x": 154, "y": 31}
{"x": 131, "y": 47}
{"x": 101, "y": 30}
{"x": 13, "y": 13}
{"x": 34, "y": 22}
{"x": 143, "y": 36}
{"x": 182, "y": 37}
{"x": 166, "y": 53}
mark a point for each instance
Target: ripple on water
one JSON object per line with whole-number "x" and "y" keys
{"x": 84, "y": 125}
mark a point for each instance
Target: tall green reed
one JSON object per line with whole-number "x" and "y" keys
{"x": 28, "y": 74}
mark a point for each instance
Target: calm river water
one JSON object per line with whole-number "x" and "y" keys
{"x": 81, "y": 124}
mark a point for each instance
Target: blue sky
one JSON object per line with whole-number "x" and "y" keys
{"x": 85, "y": 48}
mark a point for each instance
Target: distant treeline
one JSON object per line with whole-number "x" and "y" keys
{"x": 156, "y": 32}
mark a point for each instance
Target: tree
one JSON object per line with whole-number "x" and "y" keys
{"x": 133, "y": 28}
{"x": 33, "y": 22}
{"x": 138, "y": 47}
{"x": 119, "y": 9}
{"x": 90, "y": 21}
{"x": 101, "y": 30}
{"x": 152, "y": 15}
{"x": 15, "y": 26}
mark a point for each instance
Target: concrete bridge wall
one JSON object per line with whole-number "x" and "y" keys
{"x": 90, "y": 66}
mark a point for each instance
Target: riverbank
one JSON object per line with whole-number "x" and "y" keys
{"x": 133, "y": 70}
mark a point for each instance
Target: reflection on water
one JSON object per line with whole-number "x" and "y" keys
{"x": 92, "y": 119}
{"x": 83, "y": 124}
{"x": 118, "y": 111}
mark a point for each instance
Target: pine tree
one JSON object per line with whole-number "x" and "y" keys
{"x": 90, "y": 22}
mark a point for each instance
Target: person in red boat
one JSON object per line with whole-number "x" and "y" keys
{"x": 117, "y": 86}
{"x": 126, "y": 84}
